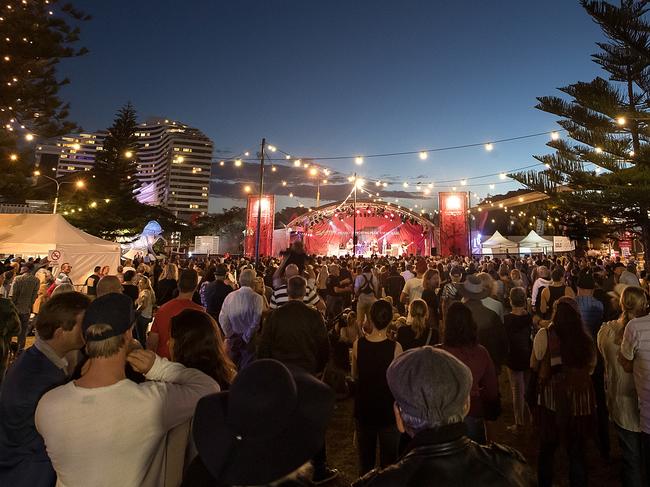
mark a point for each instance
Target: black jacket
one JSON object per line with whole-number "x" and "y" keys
{"x": 295, "y": 334}
{"x": 445, "y": 457}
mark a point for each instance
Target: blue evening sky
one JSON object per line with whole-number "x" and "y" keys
{"x": 335, "y": 77}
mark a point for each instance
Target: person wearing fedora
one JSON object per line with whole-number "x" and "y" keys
{"x": 104, "y": 429}
{"x": 491, "y": 332}
{"x": 431, "y": 388}
{"x": 270, "y": 423}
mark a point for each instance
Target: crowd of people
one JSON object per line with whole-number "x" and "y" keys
{"x": 224, "y": 371}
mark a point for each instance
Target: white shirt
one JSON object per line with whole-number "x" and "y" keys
{"x": 241, "y": 313}
{"x": 413, "y": 288}
{"x": 407, "y": 275}
{"x": 636, "y": 346}
{"x": 622, "y": 400}
{"x": 495, "y": 305}
{"x": 107, "y": 436}
{"x": 538, "y": 283}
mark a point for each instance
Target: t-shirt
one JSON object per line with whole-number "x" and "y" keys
{"x": 413, "y": 288}
{"x": 280, "y": 297}
{"x": 163, "y": 320}
{"x": 108, "y": 436}
{"x": 636, "y": 346}
{"x": 91, "y": 285}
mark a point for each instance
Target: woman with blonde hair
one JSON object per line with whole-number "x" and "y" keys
{"x": 144, "y": 304}
{"x": 622, "y": 400}
{"x": 168, "y": 284}
{"x": 417, "y": 331}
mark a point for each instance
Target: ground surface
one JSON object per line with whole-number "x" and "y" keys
{"x": 342, "y": 455}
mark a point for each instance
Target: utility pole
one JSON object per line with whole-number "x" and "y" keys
{"x": 317, "y": 190}
{"x": 259, "y": 204}
{"x": 354, "y": 219}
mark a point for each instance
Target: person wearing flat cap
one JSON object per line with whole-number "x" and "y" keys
{"x": 261, "y": 431}
{"x": 103, "y": 429}
{"x": 431, "y": 389}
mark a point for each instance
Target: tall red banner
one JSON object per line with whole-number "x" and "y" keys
{"x": 266, "y": 227}
{"x": 454, "y": 236}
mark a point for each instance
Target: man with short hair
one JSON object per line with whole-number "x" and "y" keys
{"x": 43, "y": 366}
{"x": 91, "y": 282}
{"x": 450, "y": 293}
{"x": 216, "y": 291}
{"x": 158, "y": 339}
{"x": 414, "y": 287}
{"x": 295, "y": 334}
{"x": 128, "y": 287}
{"x": 431, "y": 390}
{"x": 24, "y": 291}
{"x": 108, "y": 285}
{"x": 64, "y": 275}
{"x": 104, "y": 429}
{"x": 240, "y": 318}
{"x": 280, "y": 295}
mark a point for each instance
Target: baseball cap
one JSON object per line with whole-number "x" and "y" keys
{"x": 115, "y": 310}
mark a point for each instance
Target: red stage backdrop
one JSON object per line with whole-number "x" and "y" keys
{"x": 333, "y": 236}
{"x": 454, "y": 239}
{"x": 266, "y": 228}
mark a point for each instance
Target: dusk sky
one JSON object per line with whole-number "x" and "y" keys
{"x": 334, "y": 78}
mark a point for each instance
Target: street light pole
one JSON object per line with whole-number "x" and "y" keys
{"x": 79, "y": 183}
{"x": 354, "y": 219}
{"x": 56, "y": 197}
{"x": 259, "y": 204}
{"x": 317, "y": 190}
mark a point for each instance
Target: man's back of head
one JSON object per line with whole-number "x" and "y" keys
{"x": 290, "y": 271}
{"x": 247, "y": 278}
{"x": 187, "y": 281}
{"x": 296, "y": 288}
{"x": 108, "y": 285}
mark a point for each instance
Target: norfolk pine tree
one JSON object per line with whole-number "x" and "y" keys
{"x": 601, "y": 173}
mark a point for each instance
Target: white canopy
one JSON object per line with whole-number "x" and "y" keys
{"x": 534, "y": 241}
{"x": 37, "y": 235}
{"x": 498, "y": 240}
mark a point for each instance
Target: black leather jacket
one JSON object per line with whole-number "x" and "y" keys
{"x": 446, "y": 457}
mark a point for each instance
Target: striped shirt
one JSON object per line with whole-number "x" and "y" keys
{"x": 636, "y": 347}
{"x": 280, "y": 297}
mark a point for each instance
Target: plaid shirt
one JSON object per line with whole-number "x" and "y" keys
{"x": 24, "y": 291}
{"x": 592, "y": 313}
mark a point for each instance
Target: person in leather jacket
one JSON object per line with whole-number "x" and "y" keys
{"x": 431, "y": 390}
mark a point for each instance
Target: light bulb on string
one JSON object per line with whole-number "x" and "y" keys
{"x": 284, "y": 183}
{"x": 463, "y": 182}
{"x": 489, "y": 146}
{"x": 555, "y": 135}
{"x": 237, "y": 162}
{"x": 273, "y": 168}
{"x": 423, "y": 155}
{"x": 384, "y": 185}
{"x": 491, "y": 186}
{"x": 358, "y": 160}
{"x": 621, "y": 121}
{"x": 290, "y": 195}
{"x": 502, "y": 176}
{"x": 247, "y": 189}
{"x": 378, "y": 183}
{"x": 405, "y": 184}
{"x": 29, "y": 137}
{"x": 222, "y": 163}
{"x": 287, "y": 157}
{"x": 247, "y": 154}
{"x": 599, "y": 150}
{"x": 297, "y": 163}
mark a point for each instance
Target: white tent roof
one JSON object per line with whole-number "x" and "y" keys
{"x": 498, "y": 240}
{"x": 36, "y": 235}
{"x": 534, "y": 240}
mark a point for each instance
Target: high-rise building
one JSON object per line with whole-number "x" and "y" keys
{"x": 174, "y": 166}
{"x": 174, "y": 163}
{"x": 70, "y": 153}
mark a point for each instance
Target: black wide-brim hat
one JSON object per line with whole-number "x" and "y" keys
{"x": 270, "y": 422}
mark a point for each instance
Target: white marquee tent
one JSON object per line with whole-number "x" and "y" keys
{"x": 498, "y": 244}
{"x": 534, "y": 243}
{"x": 36, "y": 235}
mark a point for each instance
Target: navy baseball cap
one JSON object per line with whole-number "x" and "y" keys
{"x": 115, "y": 310}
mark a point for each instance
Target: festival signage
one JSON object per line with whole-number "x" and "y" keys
{"x": 266, "y": 227}
{"x": 454, "y": 236}
{"x": 563, "y": 244}
{"x": 626, "y": 247}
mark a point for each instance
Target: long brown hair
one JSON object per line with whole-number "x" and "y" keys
{"x": 417, "y": 318}
{"x": 577, "y": 347}
{"x": 426, "y": 279}
{"x": 198, "y": 344}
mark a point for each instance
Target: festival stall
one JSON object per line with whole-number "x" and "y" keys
{"x": 533, "y": 243}
{"x": 498, "y": 244}
{"x": 32, "y": 235}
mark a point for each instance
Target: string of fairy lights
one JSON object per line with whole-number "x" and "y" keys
{"x": 416, "y": 188}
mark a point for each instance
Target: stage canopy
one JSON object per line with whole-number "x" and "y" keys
{"x": 498, "y": 244}
{"x": 30, "y": 235}
{"x": 382, "y": 228}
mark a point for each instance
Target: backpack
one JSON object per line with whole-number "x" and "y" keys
{"x": 366, "y": 288}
